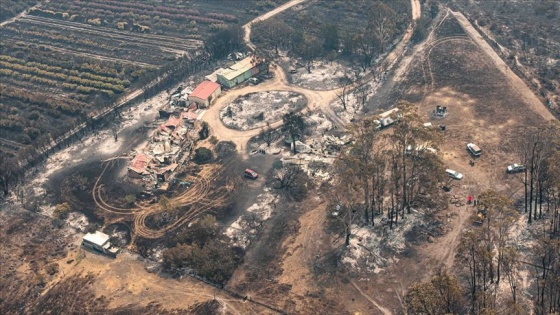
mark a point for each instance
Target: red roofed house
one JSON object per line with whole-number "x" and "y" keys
{"x": 205, "y": 92}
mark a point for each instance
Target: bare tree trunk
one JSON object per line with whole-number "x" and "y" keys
{"x": 531, "y": 197}
{"x": 499, "y": 263}
{"x": 404, "y": 192}
{"x": 366, "y": 199}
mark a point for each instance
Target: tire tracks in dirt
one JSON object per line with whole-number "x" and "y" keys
{"x": 200, "y": 197}
{"x": 442, "y": 251}
{"x": 382, "y": 309}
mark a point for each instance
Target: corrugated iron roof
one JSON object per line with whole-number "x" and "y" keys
{"x": 140, "y": 163}
{"x": 237, "y": 69}
{"x": 170, "y": 167}
{"x": 204, "y": 89}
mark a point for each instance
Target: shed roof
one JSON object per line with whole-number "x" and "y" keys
{"x": 98, "y": 238}
{"x": 205, "y": 89}
{"x": 237, "y": 69}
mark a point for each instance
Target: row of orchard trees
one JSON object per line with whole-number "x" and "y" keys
{"x": 12, "y": 169}
{"x": 492, "y": 253}
{"x": 386, "y": 173}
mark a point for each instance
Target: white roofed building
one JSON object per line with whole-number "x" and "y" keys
{"x": 99, "y": 241}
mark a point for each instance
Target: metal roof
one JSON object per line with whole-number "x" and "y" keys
{"x": 98, "y": 238}
{"x": 140, "y": 163}
{"x": 237, "y": 69}
{"x": 204, "y": 89}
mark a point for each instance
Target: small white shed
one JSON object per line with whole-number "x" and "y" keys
{"x": 99, "y": 241}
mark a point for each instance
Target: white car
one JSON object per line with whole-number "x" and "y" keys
{"x": 515, "y": 168}
{"x": 454, "y": 174}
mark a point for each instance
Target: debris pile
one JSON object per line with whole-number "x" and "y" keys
{"x": 168, "y": 148}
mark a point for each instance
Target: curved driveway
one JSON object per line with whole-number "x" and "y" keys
{"x": 316, "y": 100}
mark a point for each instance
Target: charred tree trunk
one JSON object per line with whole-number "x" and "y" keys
{"x": 366, "y": 199}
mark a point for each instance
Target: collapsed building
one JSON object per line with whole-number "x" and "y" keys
{"x": 168, "y": 148}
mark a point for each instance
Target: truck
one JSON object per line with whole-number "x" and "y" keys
{"x": 387, "y": 118}
{"x": 474, "y": 150}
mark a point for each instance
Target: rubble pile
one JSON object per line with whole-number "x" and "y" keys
{"x": 168, "y": 148}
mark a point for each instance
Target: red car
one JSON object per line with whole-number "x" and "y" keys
{"x": 251, "y": 174}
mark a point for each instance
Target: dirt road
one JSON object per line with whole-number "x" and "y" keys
{"x": 247, "y": 27}
{"x": 524, "y": 91}
{"x": 393, "y": 57}
{"x": 443, "y": 250}
{"x": 316, "y": 101}
{"x": 128, "y": 282}
{"x": 382, "y": 309}
{"x": 416, "y": 9}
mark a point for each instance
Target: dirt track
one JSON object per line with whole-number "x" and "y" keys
{"x": 520, "y": 86}
{"x": 316, "y": 101}
{"x": 443, "y": 250}
{"x": 180, "y": 294}
{"x": 200, "y": 197}
{"x": 247, "y": 27}
{"x": 125, "y": 281}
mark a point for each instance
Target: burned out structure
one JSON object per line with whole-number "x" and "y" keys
{"x": 168, "y": 148}
{"x": 171, "y": 144}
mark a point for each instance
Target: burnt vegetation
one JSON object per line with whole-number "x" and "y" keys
{"x": 201, "y": 250}
{"x": 527, "y": 37}
{"x": 363, "y": 31}
{"x": 490, "y": 254}
{"x": 65, "y": 63}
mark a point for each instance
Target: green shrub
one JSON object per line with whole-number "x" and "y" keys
{"x": 202, "y": 156}
{"x": 204, "y": 131}
{"x": 213, "y": 140}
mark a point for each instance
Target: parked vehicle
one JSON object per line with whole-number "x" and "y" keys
{"x": 515, "y": 168}
{"x": 454, "y": 174}
{"x": 251, "y": 174}
{"x": 474, "y": 150}
{"x": 421, "y": 148}
{"x": 387, "y": 118}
